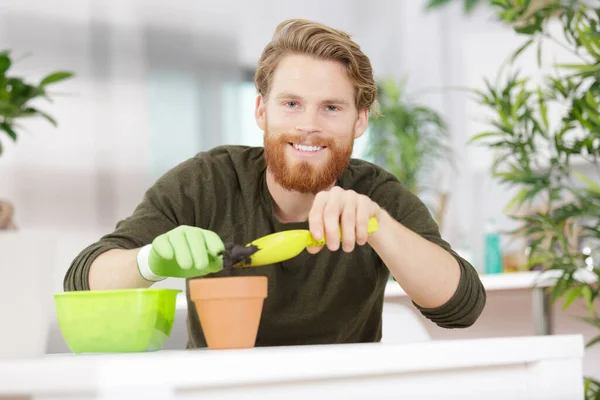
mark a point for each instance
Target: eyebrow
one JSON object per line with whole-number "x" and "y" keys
{"x": 292, "y": 96}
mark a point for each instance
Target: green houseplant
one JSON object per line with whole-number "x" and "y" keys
{"x": 470, "y": 5}
{"x": 546, "y": 143}
{"x": 16, "y": 97}
{"x": 411, "y": 141}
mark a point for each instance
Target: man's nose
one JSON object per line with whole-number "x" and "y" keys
{"x": 308, "y": 124}
{"x": 307, "y": 129}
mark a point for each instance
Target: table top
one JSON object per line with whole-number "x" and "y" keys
{"x": 505, "y": 281}
{"x": 207, "y": 368}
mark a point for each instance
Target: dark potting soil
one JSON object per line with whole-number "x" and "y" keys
{"x": 235, "y": 253}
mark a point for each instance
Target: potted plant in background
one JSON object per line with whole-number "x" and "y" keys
{"x": 16, "y": 97}
{"x": 411, "y": 141}
{"x": 27, "y": 257}
{"x": 546, "y": 141}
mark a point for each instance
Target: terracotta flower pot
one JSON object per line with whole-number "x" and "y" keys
{"x": 229, "y": 309}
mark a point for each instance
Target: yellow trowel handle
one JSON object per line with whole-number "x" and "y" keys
{"x": 373, "y": 226}
{"x": 282, "y": 246}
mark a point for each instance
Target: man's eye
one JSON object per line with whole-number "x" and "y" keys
{"x": 291, "y": 104}
{"x": 332, "y": 108}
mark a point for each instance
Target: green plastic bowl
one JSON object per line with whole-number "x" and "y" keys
{"x": 116, "y": 321}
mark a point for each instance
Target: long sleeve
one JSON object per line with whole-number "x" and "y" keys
{"x": 165, "y": 206}
{"x": 468, "y": 301}
{"x": 465, "y": 306}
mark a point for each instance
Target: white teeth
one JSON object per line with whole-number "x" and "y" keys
{"x": 302, "y": 147}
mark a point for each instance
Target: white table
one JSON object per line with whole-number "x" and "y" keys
{"x": 536, "y": 367}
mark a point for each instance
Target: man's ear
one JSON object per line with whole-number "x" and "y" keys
{"x": 259, "y": 112}
{"x": 361, "y": 123}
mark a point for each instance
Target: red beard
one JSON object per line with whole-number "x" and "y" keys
{"x": 304, "y": 177}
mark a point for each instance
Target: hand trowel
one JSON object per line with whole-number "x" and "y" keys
{"x": 276, "y": 247}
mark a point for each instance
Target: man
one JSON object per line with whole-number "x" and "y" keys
{"x": 316, "y": 90}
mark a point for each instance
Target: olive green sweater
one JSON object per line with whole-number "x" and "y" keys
{"x": 330, "y": 297}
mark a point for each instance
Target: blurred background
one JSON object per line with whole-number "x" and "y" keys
{"x": 157, "y": 81}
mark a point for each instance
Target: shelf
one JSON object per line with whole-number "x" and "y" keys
{"x": 505, "y": 281}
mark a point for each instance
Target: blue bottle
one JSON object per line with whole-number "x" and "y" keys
{"x": 493, "y": 249}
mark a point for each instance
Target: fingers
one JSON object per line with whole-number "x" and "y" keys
{"x": 214, "y": 247}
{"x": 331, "y": 218}
{"x": 163, "y": 247}
{"x": 344, "y": 212}
{"x": 214, "y": 244}
{"x": 363, "y": 213}
{"x": 315, "y": 217}
{"x": 349, "y": 224}
{"x": 314, "y": 249}
{"x": 196, "y": 242}
{"x": 183, "y": 255}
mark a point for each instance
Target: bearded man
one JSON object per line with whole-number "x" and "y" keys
{"x": 315, "y": 93}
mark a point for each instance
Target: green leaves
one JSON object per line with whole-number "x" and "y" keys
{"x": 5, "y": 63}
{"x": 536, "y": 131}
{"x": 56, "y": 77}
{"x": 588, "y": 295}
{"x": 593, "y": 341}
{"x": 16, "y": 96}
{"x": 6, "y": 127}
{"x": 434, "y": 4}
{"x": 469, "y": 5}
{"x": 520, "y": 50}
{"x": 591, "y": 185}
{"x": 591, "y": 389}
{"x": 408, "y": 139}
{"x": 582, "y": 68}
{"x": 573, "y": 294}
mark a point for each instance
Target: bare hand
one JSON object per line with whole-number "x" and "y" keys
{"x": 346, "y": 208}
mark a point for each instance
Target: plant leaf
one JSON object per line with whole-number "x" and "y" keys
{"x": 470, "y": 5}
{"x": 572, "y": 296}
{"x": 4, "y": 62}
{"x": 543, "y": 108}
{"x": 580, "y": 67}
{"x": 588, "y": 296}
{"x": 433, "y": 4}
{"x": 56, "y": 77}
{"x": 522, "y": 48}
{"x": 593, "y": 341}
{"x": 592, "y": 186}
{"x": 518, "y": 199}
{"x": 8, "y": 129}
{"x": 48, "y": 118}
{"x": 35, "y": 111}
{"x": 483, "y": 135}
{"x": 592, "y": 321}
{"x": 559, "y": 289}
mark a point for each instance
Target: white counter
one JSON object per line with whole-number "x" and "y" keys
{"x": 548, "y": 367}
{"x": 508, "y": 281}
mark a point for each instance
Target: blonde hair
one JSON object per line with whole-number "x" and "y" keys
{"x": 299, "y": 36}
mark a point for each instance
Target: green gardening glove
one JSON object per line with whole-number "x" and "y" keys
{"x": 183, "y": 252}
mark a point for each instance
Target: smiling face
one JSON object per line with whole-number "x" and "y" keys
{"x": 310, "y": 121}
